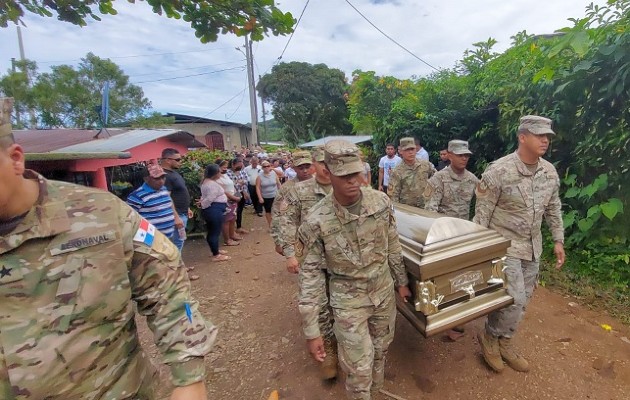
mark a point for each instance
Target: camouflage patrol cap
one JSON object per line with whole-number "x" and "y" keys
{"x": 458, "y": 147}
{"x": 536, "y": 125}
{"x": 318, "y": 153}
{"x": 301, "y": 157}
{"x": 407, "y": 143}
{"x": 342, "y": 158}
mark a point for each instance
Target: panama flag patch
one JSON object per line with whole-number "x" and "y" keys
{"x": 145, "y": 233}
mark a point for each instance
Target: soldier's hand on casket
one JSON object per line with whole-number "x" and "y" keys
{"x": 316, "y": 348}
{"x": 292, "y": 265}
{"x": 404, "y": 293}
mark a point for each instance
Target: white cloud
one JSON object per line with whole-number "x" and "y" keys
{"x": 331, "y": 32}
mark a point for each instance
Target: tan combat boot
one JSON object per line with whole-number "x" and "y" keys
{"x": 511, "y": 357}
{"x": 490, "y": 350}
{"x": 328, "y": 368}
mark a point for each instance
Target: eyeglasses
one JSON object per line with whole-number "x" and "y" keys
{"x": 175, "y": 159}
{"x": 163, "y": 177}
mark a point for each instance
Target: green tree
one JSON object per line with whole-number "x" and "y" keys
{"x": 208, "y": 18}
{"x": 308, "y": 100}
{"x": 69, "y": 97}
{"x": 15, "y": 84}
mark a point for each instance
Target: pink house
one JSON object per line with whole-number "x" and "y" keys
{"x": 81, "y": 156}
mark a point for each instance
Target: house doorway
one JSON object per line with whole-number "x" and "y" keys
{"x": 214, "y": 141}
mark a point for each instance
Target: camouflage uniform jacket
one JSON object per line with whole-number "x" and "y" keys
{"x": 408, "y": 182}
{"x": 449, "y": 193}
{"x": 362, "y": 253}
{"x": 294, "y": 208}
{"x": 275, "y": 210}
{"x": 513, "y": 201}
{"x": 68, "y": 274}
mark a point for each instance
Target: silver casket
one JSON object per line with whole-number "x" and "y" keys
{"x": 455, "y": 269}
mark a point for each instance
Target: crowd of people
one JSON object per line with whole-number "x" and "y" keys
{"x": 105, "y": 262}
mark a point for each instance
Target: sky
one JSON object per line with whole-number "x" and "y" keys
{"x": 179, "y": 74}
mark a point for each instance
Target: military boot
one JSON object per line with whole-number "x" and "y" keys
{"x": 490, "y": 350}
{"x": 328, "y": 368}
{"x": 511, "y": 357}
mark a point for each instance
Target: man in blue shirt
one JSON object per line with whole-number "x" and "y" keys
{"x": 153, "y": 201}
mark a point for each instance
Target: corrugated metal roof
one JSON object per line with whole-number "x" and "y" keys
{"x": 127, "y": 141}
{"x": 46, "y": 140}
{"x": 322, "y": 141}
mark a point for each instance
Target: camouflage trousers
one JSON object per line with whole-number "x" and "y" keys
{"x": 521, "y": 278}
{"x": 325, "y": 319}
{"x": 364, "y": 334}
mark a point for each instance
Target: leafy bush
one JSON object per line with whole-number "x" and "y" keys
{"x": 192, "y": 169}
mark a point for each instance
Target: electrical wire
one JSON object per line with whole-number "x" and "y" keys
{"x": 139, "y": 55}
{"x": 389, "y": 37}
{"x": 239, "y": 104}
{"x": 294, "y": 29}
{"x": 186, "y": 69}
{"x": 241, "y": 67}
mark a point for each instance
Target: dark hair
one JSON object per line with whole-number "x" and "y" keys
{"x": 390, "y": 145}
{"x": 223, "y": 162}
{"x": 417, "y": 141}
{"x": 169, "y": 151}
{"x": 236, "y": 161}
{"x": 211, "y": 171}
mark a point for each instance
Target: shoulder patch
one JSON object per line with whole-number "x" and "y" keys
{"x": 428, "y": 190}
{"x": 145, "y": 233}
{"x": 299, "y": 247}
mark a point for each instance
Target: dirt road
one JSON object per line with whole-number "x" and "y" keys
{"x": 260, "y": 347}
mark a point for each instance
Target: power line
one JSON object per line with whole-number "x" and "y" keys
{"x": 294, "y": 29}
{"x": 389, "y": 37}
{"x": 288, "y": 41}
{"x": 210, "y": 112}
{"x": 139, "y": 55}
{"x": 186, "y": 69}
{"x": 239, "y": 104}
{"x": 188, "y": 76}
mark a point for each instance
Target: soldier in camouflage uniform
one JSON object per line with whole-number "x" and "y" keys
{"x": 353, "y": 232}
{"x": 450, "y": 190}
{"x": 513, "y": 196}
{"x": 293, "y": 210}
{"x": 72, "y": 259}
{"x": 408, "y": 180}
{"x": 303, "y": 167}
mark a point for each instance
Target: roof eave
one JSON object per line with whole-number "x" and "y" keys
{"x": 76, "y": 156}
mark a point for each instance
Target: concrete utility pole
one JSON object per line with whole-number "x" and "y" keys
{"x": 6, "y": 106}
{"x": 18, "y": 115}
{"x": 252, "y": 88}
{"x": 264, "y": 115}
{"x": 25, "y": 70}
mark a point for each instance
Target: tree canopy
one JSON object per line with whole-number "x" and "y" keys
{"x": 208, "y": 18}
{"x": 308, "y": 100}
{"x": 578, "y": 77}
{"x": 71, "y": 97}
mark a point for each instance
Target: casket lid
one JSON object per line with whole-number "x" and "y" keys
{"x": 427, "y": 227}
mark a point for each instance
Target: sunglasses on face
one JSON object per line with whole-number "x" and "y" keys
{"x": 175, "y": 159}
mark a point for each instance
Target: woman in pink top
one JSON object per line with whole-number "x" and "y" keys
{"x": 213, "y": 204}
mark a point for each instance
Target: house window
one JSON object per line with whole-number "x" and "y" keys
{"x": 214, "y": 141}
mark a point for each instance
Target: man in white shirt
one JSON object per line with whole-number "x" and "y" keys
{"x": 421, "y": 153}
{"x": 252, "y": 171}
{"x": 388, "y": 162}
